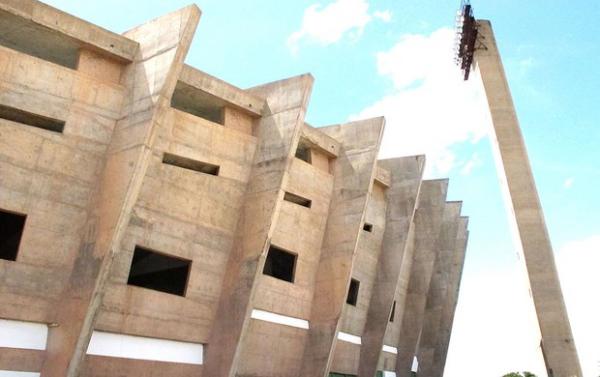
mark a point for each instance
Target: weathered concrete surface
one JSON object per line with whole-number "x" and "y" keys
{"x": 270, "y": 348}
{"x": 235, "y": 96}
{"x": 364, "y": 268}
{"x": 151, "y": 80}
{"x": 428, "y": 221}
{"x": 99, "y": 366}
{"x": 316, "y": 139}
{"x": 458, "y": 261}
{"x": 82, "y": 33}
{"x": 20, "y": 359}
{"x": 278, "y": 135}
{"x": 438, "y": 289}
{"x": 404, "y": 178}
{"x": 100, "y": 188}
{"x": 531, "y": 235}
{"x": 353, "y": 173}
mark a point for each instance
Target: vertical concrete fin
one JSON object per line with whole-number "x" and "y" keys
{"x": 401, "y": 197}
{"x": 458, "y": 261}
{"x": 278, "y": 134}
{"x": 438, "y": 289}
{"x": 525, "y": 212}
{"x": 353, "y": 172}
{"x": 428, "y": 222}
{"x": 150, "y": 81}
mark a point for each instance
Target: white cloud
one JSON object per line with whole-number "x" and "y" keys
{"x": 568, "y": 182}
{"x": 431, "y": 109}
{"x": 326, "y": 25}
{"x": 474, "y": 162}
{"x": 383, "y": 15}
{"x": 578, "y": 263}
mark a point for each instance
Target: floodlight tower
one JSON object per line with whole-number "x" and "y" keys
{"x": 476, "y": 46}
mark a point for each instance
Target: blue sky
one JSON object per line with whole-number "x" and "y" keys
{"x": 389, "y": 57}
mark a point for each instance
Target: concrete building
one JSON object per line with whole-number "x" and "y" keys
{"x": 157, "y": 221}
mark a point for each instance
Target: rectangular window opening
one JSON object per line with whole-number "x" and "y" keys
{"x": 368, "y": 227}
{"x": 352, "y": 298}
{"x": 393, "y": 313}
{"x": 11, "y": 230}
{"x": 188, "y": 163}
{"x": 159, "y": 272}
{"x": 19, "y": 33}
{"x": 280, "y": 264}
{"x": 30, "y": 119}
{"x": 289, "y": 197}
{"x": 197, "y": 102}
{"x": 303, "y": 153}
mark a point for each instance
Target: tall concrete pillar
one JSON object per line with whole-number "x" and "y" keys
{"x": 405, "y": 186}
{"x": 438, "y": 290}
{"x": 531, "y": 235}
{"x": 353, "y": 171}
{"x": 278, "y": 134}
{"x": 150, "y": 81}
{"x": 428, "y": 221}
{"x": 447, "y": 319}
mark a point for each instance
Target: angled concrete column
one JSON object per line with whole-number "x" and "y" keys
{"x": 438, "y": 289}
{"x": 406, "y": 175}
{"x": 445, "y": 332}
{"x": 353, "y": 172}
{"x": 526, "y": 216}
{"x": 150, "y": 79}
{"x": 278, "y": 133}
{"x": 428, "y": 221}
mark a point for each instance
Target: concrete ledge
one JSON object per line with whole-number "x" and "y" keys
{"x": 233, "y": 95}
{"x": 88, "y": 34}
{"x": 382, "y": 176}
{"x": 320, "y": 140}
{"x": 13, "y": 359}
{"x": 14, "y": 373}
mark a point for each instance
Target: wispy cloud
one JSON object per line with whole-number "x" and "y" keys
{"x": 325, "y": 25}
{"x": 474, "y": 162}
{"x": 383, "y": 15}
{"x": 568, "y": 183}
{"x": 431, "y": 109}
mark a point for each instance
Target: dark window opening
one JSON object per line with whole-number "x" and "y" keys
{"x": 303, "y": 153}
{"x": 30, "y": 119}
{"x": 25, "y": 35}
{"x": 393, "y": 313}
{"x": 11, "y": 230}
{"x": 197, "y": 102}
{"x": 297, "y": 199}
{"x": 352, "y": 298}
{"x": 159, "y": 272}
{"x": 280, "y": 264}
{"x": 188, "y": 163}
{"x": 368, "y": 227}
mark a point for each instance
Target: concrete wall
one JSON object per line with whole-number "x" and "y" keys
{"x": 100, "y": 188}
